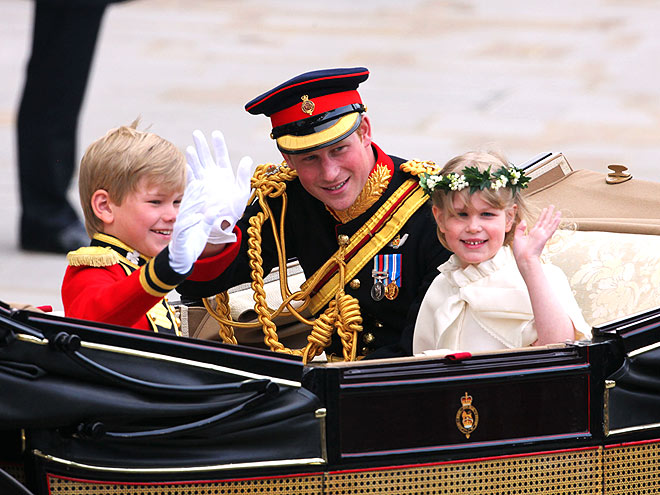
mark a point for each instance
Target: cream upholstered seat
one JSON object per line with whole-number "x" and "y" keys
{"x": 612, "y": 275}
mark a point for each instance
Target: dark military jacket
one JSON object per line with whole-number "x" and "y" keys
{"x": 311, "y": 233}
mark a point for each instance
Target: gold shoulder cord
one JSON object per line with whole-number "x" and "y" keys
{"x": 343, "y": 311}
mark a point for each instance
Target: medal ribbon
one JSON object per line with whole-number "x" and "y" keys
{"x": 394, "y": 272}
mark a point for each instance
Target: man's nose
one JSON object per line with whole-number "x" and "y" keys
{"x": 329, "y": 169}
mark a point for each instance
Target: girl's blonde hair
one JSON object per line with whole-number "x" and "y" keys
{"x": 501, "y": 198}
{"x": 118, "y": 161}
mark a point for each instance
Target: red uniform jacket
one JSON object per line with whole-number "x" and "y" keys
{"x": 111, "y": 283}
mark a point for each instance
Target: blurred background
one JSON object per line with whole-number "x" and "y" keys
{"x": 520, "y": 76}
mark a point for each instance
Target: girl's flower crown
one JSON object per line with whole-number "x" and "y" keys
{"x": 475, "y": 179}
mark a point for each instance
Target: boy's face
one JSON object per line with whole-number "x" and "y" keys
{"x": 145, "y": 218}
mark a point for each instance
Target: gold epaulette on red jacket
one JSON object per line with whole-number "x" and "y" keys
{"x": 96, "y": 256}
{"x": 156, "y": 276}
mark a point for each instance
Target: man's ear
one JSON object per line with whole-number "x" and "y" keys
{"x": 364, "y": 131}
{"x": 510, "y": 216}
{"x": 103, "y": 206}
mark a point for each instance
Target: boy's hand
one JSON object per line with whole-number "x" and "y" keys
{"x": 191, "y": 229}
{"x": 227, "y": 191}
{"x": 528, "y": 247}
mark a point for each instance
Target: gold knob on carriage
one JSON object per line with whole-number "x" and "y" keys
{"x": 618, "y": 174}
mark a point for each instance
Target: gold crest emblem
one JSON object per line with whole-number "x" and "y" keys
{"x": 467, "y": 417}
{"x": 371, "y": 192}
{"x": 307, "y": 105}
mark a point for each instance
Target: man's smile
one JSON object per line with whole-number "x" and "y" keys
{"x": 337, "y": 187}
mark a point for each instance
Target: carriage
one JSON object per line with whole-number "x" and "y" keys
{"x": 91, "y": 408}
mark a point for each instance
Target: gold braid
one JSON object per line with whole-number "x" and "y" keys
{"x": 226, "y": 331}
{"x": 342, "y": 313}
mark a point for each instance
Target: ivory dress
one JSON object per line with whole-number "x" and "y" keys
{"x": 486, "y": 307}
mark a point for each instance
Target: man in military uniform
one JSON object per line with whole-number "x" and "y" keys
{"x": 347, "y": 190}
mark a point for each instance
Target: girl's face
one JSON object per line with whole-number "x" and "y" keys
{"x": 477, "y": 231}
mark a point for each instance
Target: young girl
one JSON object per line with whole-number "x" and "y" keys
{"x": 494, "y": 292}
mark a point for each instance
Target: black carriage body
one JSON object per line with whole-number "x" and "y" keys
{"x": 419, "y": 408}
{"x": 106, "y": 409}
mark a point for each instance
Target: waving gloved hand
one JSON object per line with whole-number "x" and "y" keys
{"x": 194, "y": 222}
{"x": 232, "y": 191}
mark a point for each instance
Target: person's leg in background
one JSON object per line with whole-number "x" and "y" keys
{"x": 64, "y": 40}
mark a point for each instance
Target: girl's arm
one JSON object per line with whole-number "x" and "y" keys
{"x": 552, "y": 323}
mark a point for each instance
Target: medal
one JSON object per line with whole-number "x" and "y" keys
{"x": 380, "y": 276}
{"x": 378, "y": 291}
{"x": 394, "y": 276}
{"x": 387, "y": 276}
{"x": 391, "y": 291}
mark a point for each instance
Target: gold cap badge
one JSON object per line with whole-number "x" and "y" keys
{"x": 307, "y": 105}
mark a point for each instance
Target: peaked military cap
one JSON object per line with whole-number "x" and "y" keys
{"x": 313, "y": 110}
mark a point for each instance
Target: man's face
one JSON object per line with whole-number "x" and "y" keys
{"x": 336, "y": 174}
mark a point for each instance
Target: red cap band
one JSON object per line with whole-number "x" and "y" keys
{"x": 321, "y": 104}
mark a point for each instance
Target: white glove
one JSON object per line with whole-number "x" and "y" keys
{"x": 232, "y": 191}
{"x": 190, "y": 233}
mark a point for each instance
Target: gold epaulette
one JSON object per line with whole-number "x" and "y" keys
{"x": 96, "y": 256}
{"x": 273, "y": 173}
{"x": 417, "y": 167}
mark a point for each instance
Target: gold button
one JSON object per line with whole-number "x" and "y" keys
{"x": 368, "y": 338}
{"x": 343, "y": 239}
{"x": 378, "y": 324}
{"x": 355, "y": 284}
{"x": 364, "y": 351}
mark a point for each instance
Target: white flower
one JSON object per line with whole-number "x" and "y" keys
{"x": 515, "y": 175}
{"x": 462, "y": 183}
{"x": 499, "y": 182}
{"x": 432, "y": 181}
{"x": 457, "y": 182}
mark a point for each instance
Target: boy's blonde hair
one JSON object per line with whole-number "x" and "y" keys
{"x": 501, "y": 198}
{"x": 118, "y": 161}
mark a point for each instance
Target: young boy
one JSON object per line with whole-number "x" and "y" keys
{"x": 131, "y": 190}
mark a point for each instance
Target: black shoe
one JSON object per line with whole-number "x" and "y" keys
{"x": 67, "y": 239}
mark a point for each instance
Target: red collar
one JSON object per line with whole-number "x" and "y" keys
{"x": 382, "y": 159}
